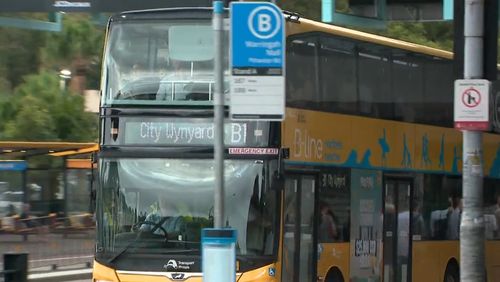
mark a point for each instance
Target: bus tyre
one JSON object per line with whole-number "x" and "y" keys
{"x": 452, "y": 273}
{"x": 334, "y": 275}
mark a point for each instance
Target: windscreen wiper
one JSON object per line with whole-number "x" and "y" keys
{"x": 122, "y": 251}
{"x": 129, "y": 245}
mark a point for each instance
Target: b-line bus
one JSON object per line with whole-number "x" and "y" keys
{"x": 361, "y": 182}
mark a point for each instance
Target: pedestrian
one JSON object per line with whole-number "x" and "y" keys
{"x": 327, "y": 227}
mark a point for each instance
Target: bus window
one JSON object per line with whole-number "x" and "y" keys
{"x": 301, "y": 73}
{"x": 338, "y": 76}
{"x": 406, "y": 86}
{"x": 437, "y": 107}
{"x": 374, "y": 97}
{"x": 174, "y": 59}
{"x": 260, "y": 217}
{"x": 442, "y": 206}
{"x": 419, "y": 226}
{"x": 333, "y": 208}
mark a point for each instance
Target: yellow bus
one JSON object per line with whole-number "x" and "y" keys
{"x": 361, "y": 182}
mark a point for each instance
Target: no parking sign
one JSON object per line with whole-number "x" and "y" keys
{"x": 471, "y": 104}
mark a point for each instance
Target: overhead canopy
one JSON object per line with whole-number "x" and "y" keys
{"x": 95, "y": 6}
{"x": 22, "y": 150}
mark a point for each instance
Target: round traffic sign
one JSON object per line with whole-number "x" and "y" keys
{"x": 471, "y": 97}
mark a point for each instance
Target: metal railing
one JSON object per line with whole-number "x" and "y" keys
{"x": 52, "y": 243}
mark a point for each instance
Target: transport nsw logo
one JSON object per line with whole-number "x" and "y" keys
{"x": 172, "y": 264}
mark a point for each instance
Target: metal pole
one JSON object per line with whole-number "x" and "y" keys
{"x": 65, "y": 183}
{"x": 472, "y": 222}
{"x": 24, "y": 181}
{"x": 218, "y": 114}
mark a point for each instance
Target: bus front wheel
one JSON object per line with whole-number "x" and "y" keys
{"x": 452, "y": 273}
{"x": 334, "y": 275}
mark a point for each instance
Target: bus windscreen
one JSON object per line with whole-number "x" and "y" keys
{"x": 159, "y": 62}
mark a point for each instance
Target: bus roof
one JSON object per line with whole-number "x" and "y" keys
{"x": 304, "y": 25}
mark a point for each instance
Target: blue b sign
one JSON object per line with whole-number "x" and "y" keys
{"x": 257, "y": 61}
{"x": 257, "y": 35}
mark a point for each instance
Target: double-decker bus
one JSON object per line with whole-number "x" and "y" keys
{"x": 360, "y": 182}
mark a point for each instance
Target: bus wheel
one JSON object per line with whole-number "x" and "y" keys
{"x": 452, "y": 273}
{"x": 334, "y": 275}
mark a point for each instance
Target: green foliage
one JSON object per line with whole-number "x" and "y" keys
{"x": 6, "y": 110}
{"x": 72, "y": 122}
{"x": 32, "y": 106}
{"x": 41, "y": 111}
{"x": 310, "y": 9}
{"x": 78, "y": 47}
{"x": 18, "y": 55}
{"x": 342, "y": 6}
{"x": 435, "y": 34}
{"x": 432, "y": 34}
{"x": 79, "y": 39}
{"x": 32, "y": 123}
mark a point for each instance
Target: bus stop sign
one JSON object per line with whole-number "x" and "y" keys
{"x": 257, "y": 61}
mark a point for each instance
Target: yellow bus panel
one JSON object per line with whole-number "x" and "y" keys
{"x": 430, "y": 258}
{"x": 493, "y": 260}
{"x": 334, "y": 255}
{"x": 108, "y": 274}
{"x": 335, "y": 139}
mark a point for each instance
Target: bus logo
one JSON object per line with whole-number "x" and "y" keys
{"x": 171, "y": 263}
{"x": 178, "y": 276}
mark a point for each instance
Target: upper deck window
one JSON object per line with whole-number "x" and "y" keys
{"x": 159, "y": 62}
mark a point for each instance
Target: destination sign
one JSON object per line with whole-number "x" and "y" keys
{"x": 191, "y": 132}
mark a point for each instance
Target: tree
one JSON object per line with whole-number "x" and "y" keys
{"x": 19, "y": 55}
{"x": 32, "y": 107}
{"x": 432, "y": 34}
{"x": 32, "y": 123}
{"x": 310, "y": 9}
{"x": 71, "y": 120}
{"x": 77, "y": 47}
{"x": 7, "y": 112}
{"x": 41, "y": 111}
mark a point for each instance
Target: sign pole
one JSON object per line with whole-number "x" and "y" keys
{"x": 218, "y": 12}
{"x": 472, "y": 225}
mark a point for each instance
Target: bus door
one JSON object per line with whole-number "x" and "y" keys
{"x": 298, "y": 245}
{"x": 397, "y": 244}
